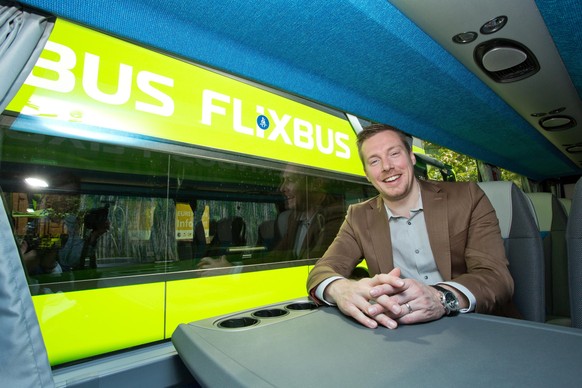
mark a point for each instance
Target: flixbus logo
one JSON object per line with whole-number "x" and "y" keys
{"x": 291, "y": 130}
{"x": 88, "y": 78}
{"x": 63, "y": 80}
{"x": 59, "y": 76}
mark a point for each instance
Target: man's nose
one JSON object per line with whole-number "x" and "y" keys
{"x": 386, "y": 164}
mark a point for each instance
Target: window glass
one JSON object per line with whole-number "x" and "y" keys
{"x": 111, "y": 215}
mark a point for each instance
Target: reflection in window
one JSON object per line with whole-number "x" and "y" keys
{"x": 113, "y": 212}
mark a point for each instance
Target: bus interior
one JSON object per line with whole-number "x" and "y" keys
{"x": 146, "y": 189}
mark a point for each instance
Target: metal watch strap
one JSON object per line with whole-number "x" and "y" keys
{"x": 449, "y": 309}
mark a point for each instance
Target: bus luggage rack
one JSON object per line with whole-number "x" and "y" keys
{"x": 259, "y": 317}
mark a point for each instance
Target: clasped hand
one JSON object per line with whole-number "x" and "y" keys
{"x": 386, "y": 300}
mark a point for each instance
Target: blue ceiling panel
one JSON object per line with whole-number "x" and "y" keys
{"x": 360, "y": 56}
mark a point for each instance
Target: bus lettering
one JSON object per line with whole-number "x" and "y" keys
{"x": 339, "y": 140}
{"x": 305, "y": 134}
{"x": 91, "y": 81}
{"x": 61, "y": 79}
{"x": 237, "y": 119}
{"x": 144, "y": 83}
{"x": 65, "y": 79}
{"x": 280, "y": 124}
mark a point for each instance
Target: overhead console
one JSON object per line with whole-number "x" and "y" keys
{"x": 507, "y": 45}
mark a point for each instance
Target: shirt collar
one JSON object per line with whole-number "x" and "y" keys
{"x": 414, "y": 210}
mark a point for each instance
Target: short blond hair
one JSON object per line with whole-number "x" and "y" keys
{"x": 374, "y": 129}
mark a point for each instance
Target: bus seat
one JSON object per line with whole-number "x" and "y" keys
{"x": 523, "y": 246}
{"x": 574, "y": 244}
{"x": 199, "y": 241}
{"x": 283, "y": 222}
{"x": 24, "y": 356}
{"x": 552, "y": 221}
{"x": 229, "y": 232}
{"x": 184, "y": 250}
{"x": 232, "y": 231}
{"x": 566, "y": 205}
{"x": 266, "y": 234}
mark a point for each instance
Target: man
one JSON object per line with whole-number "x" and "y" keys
{"x": 443, "y": 239}
{"x": 309, "y": 223}
{"x": 312, "y": 217}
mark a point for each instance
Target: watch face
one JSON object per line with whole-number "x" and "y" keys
{"x": 451, "y": 301}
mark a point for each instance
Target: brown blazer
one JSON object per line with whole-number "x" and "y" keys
{"x": 464, "y": 236}
{"x": 322, "y": 230}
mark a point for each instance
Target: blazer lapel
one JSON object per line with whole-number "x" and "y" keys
{"x": 434, "y": 204}
{"x": 379, "y": 233}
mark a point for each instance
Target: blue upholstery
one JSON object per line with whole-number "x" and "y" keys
{"x": 523, "y": 246}
{"x": 362, "y": 57}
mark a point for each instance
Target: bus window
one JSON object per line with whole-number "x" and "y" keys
{"x": 118, "y": 213}
{"x": 147, "y": 229}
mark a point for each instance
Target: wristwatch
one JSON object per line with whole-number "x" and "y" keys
{"x": 448, "y": 300}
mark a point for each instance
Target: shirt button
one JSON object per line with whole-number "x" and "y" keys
{"x": 426, "y": 277}
{"x": 416, "y": 251}
{"x": 409, "y": 223}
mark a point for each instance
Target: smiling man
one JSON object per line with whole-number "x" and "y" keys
{"x": 433, "y": 248}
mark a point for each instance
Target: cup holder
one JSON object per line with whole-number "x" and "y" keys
{"x": 237, "y": 323}
{"x": 302, "y": 306}
{"x": 263, "y": 316}
{"x": 270, "y": 313}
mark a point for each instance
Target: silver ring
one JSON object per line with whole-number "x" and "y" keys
{"x": 409, "y": 308}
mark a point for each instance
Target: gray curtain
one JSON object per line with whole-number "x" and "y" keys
{"x": 23, "y": 35}
{"x": 23, "y": 356}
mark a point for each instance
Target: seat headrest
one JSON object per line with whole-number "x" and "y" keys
{"x": 499, "y": 194}
{"x": 549, "y": 213}
{"x": 566, "y": 205}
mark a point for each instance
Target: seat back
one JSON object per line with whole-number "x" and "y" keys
{"x": 199, "y": 241}
{"x": 228, "y": 232}
{"x": 552, "y": 221}
{"x": 523, "y": 246}
{"x": 266, "y": 234}
{"x": 566, "y": 205}
{"x": 574, "y": 243}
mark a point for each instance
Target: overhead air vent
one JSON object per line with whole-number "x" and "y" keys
{"x": 504, "y": 60}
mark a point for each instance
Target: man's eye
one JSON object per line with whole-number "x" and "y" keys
{"x": 374, "y": 162}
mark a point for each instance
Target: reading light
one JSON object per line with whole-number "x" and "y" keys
{"x": 465, "y": 37}
{"x": 494, "y": 25}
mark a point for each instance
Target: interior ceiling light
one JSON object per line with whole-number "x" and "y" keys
{"x": 36, "y": 182}
{"x": 557, "y": 123}
{"x": 494, "y": 25}
{"x": 465, "y": 37}
{"x": 505, "y": 60}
